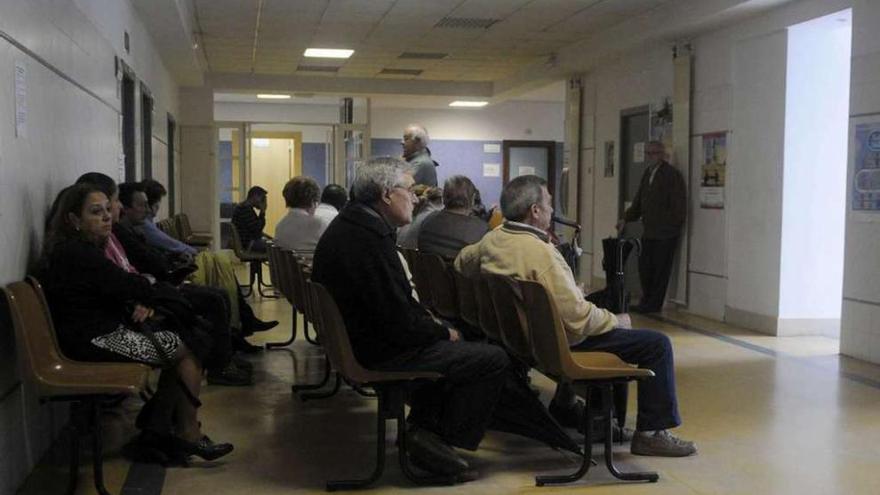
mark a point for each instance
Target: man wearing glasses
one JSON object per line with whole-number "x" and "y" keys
{"x": 660, "y": 204}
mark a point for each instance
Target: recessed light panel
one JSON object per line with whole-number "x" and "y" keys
{"x": 327, "y": 53}
{"x": 471, "y": 104}
{"x": 273, "y": 97}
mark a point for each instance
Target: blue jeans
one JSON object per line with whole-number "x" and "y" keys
{"x": 649, "y": 349}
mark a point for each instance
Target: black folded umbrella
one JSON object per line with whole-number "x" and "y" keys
{"x": 520, "y": 412}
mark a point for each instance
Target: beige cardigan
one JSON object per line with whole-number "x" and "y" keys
{"x": 523, "y": 252}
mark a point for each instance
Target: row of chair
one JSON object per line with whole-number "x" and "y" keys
{"x": 521, "y": 316}
{"x": 179, "y": 228}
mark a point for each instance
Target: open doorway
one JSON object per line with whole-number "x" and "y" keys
{"x": 275, "y": 158}
{"x": 814, "y": 180}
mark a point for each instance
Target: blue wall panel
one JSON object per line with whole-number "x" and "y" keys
{"x": 314, "y": 157}
{"x": 224, "y": 159}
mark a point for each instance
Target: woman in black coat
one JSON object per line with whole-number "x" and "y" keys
{"x": 98, "y": 307}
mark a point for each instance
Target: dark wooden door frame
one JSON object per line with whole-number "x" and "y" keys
{"x": 551, "y": 159}
{"x": 625, "y": 147}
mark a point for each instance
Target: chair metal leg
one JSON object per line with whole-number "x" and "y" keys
{"x": 309, "y": 338}
{"x": 74, "y": 454}
{"x": 261, "y": 285}
{"x": 588, "y": 452}
{"x": 322, "y": 395}
{"x": 98, "y": 449}
{"x": 332, "y": 486}
{"x": 314, "y": 386}
{"x": 652, "y": 477}
{"x": 275, "y": 345}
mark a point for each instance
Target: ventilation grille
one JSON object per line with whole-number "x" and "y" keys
{"x": 465, "y": 23}
{"x": 401, "y": 72}
{"x": 423, "y": 55}
{"x": 316, "y": 68}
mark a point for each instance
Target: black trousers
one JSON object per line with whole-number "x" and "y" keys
{"x": 213, "y": 305}
{"x": 458, "y": 408}
{"x": 655, "y": 266}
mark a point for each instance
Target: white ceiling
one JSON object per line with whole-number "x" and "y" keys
{"x": 249, "y": 46}
{"x": 269, "y": 36}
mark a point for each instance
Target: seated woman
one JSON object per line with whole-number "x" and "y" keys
{"x": 98, "y": 309}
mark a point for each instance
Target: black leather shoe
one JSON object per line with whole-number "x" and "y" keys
{"x": 430, "y": 453}
{"x": 204, "y": 448}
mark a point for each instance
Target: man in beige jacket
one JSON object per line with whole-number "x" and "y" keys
{"x": 520, "y": 248}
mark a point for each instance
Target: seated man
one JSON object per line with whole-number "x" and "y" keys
{"x": 521, "y": 249}
{"x": 447, "y": 231}
{"x": 357, "y": 261}
{"x": 300, "y": 229}
{"x": 333, "y": 200}
{"x": 249, "y": 224}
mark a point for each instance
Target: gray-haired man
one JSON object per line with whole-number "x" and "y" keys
{"x": 357, "y": 261}
{"x": 417, "y": 154}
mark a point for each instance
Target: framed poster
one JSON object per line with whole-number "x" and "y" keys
{"x": 866, "y": 166}
{"x": 713, "y": 169}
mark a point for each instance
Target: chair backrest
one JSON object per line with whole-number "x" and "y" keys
{"x": 167, "y": 226}
{"x": 274, "y": 253}
{"x": 334, "y": 336}
{"x": 422, "y": 281}
{"x": 285, "y": 277}
{"x": 486, "y": 309}
{"x": 40, "y": 355}
{"x": 513, "y": 323}
{"x": 443, "y": 295}
{"x": 467, "y": 299}
{"x": 181, "y": 221}
{"x": 237, "y": 246}
{"x": 297, "y": 281}
{"x": 547, "y": 335}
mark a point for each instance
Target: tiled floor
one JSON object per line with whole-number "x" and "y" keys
{"x": 770, "y": 416}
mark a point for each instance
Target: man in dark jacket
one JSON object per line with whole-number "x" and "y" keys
{"x": 250, "y": 225}
{"x": 660, "y": 203}
{"x": 357, "y": 261}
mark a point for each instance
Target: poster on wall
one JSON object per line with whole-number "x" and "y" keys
{"x": 866, "y": 173}
{"x": 609, "y": 158}
{"x": 713, "y": 170}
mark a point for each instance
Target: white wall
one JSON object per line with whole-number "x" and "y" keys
{"x": 816, "y": 126}
{"x": 72, "y": 128}
{"x": 526, "y": 120}
{"x": 739, "y": 86}
{"x": 860, "y": 325}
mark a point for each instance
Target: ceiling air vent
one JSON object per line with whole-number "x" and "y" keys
{"x": 423, "y": 55}
{"x": 465, "y": 23}
{"x": 401, "y": 72}
{"x": 316, "y": 68}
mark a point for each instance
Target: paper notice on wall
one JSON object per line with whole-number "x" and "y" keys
{"x": 523, "y": 170}
{"x": 866, "y": 173}
{"x": 491, "y": 148}
{"x": 20, "y": 100}
{"x": 713, "y": 170}
{"x": 638, "y": 152}
{"x": 491, "y": 170}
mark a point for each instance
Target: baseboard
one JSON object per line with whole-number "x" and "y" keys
{"x": 794, "y": 327}
{"x": 752, "y": 321}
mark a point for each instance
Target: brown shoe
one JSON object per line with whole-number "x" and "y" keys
{"x": 661, "y": 444}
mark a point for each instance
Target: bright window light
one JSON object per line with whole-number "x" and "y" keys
{"x": 327, "y": 53}
{"x": 273, "y": 97}
{"x": 468, "y": 103}
{"x": 260, "y": 142}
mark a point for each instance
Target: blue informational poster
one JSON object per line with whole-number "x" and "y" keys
{"x": 866, "y": 176}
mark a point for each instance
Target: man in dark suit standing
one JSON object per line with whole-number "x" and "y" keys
{"x": 661, "y": 205}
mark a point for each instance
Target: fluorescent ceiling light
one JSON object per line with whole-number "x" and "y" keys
{"x": 327, "y": 53}
{"x": 273, "y": 97}
{"x": 460, "y": 103}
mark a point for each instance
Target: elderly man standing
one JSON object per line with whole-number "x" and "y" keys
{"x": 357, "y": 261}
{"x": 521, "y": 249}
{"x": 417, "y": 154}
{"x": 660, "y": 203}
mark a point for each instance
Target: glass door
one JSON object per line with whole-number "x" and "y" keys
{"x": 351, "y": 145}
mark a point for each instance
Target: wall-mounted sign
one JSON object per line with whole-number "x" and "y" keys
{"x": 491, "y": 170}
{"x": 609, "y": 158}
{"x": 866, "y": 169}
{"x": 20, "y": 99}
{"x": 713, "y": 170}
